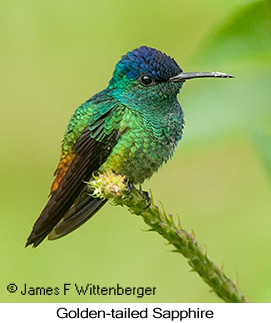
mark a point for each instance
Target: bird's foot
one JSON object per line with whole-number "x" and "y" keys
{"x": 146, "y": 197}
{"x": 130, "y": 187}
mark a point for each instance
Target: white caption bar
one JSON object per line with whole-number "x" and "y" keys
{"x": 119, "y": 312}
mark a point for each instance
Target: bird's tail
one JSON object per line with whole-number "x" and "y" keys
{"x": 59, "y": 221}
{"x": 76, "y": 216}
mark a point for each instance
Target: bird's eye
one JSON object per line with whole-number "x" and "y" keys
{"x": 145, "y": 80}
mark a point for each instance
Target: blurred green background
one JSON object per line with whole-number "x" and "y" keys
{"x": 56, "y": 54}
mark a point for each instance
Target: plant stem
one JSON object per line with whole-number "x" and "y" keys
{"x": 113, "y": 187}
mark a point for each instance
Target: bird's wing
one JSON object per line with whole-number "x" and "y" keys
{"x": 90, "y": 151}
{"x": 83, "y": 209}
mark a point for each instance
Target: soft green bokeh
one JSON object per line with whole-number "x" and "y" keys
{"x": 56, "y": 54}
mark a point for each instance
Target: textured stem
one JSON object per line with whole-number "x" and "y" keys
{"x": 110, "y": 186}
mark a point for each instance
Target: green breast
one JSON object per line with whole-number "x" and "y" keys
{"x": 141, "y": 149}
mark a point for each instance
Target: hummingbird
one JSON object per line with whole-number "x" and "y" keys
{"x": 130, "y": 128}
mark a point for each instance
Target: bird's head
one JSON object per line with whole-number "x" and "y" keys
{"x": 146, "y": 78}
{"x": 141, "y": 78}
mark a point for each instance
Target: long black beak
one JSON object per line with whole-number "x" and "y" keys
{"x": 187, "y": 76}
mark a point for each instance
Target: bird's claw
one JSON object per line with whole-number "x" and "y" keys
{"x": 144, "y": 194}
{"x": 130, "y": 187}
{"x": 146, "y": 197}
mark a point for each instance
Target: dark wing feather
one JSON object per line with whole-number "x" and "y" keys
{"x": 80, "y": 213}
{"x": 89, "y": 156}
